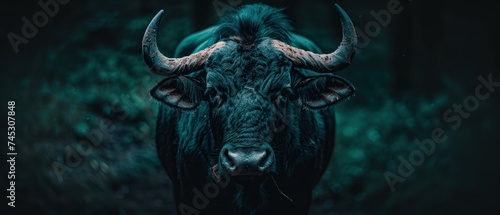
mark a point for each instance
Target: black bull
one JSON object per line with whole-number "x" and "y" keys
{"x": 244, "y": 124}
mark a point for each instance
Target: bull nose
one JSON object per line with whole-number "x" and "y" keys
{"x": 247, "y": 161}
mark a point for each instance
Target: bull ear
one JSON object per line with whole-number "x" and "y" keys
{"x": 179, "y": 92}
{"x": 318, "y": 92}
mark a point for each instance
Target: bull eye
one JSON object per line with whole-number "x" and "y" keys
{"x": 283, "y": 95}
{"x": 209, "y": 93}
{"x": 213, "y": 96}
{"x": 279, "y": 99}
{"x": 289, "y": 93}
{"x": 278, "y": 125}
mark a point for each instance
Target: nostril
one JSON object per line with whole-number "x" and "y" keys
{"x": 266, "y": 160}
{"x": 228, "y": 161}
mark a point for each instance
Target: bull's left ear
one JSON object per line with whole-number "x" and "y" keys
{"x": 179, "y": 92}
{"x": 318, "y": 92}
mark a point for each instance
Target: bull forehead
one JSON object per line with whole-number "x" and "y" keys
{"x": 247, "y": 66}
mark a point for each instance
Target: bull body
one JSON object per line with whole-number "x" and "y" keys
{"x": 250, "y": 130}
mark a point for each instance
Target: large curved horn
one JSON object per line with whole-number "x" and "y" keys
{"x": 335, "y": 61}
{"x": 162, "y": 65}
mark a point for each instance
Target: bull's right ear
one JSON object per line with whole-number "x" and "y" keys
{"x": 317, "y": 92}
{"x": 181, "y": 92}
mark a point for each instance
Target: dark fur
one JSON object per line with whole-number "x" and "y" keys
{"x": 249, "y": 75}
{"x": 253, "y": 23}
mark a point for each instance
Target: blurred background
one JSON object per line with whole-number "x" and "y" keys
{"x": 85, "y": 123}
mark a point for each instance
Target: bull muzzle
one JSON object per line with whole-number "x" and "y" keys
{"x": 247, "y": 161}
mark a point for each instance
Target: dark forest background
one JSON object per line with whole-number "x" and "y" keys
{"x": 85, "y": 123}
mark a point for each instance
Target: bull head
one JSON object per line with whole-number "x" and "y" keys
{"x": 242, "y": 107}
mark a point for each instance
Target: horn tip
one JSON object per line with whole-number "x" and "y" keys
{"x": 339, "y": 8}
{"x": 159, "y": 15}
